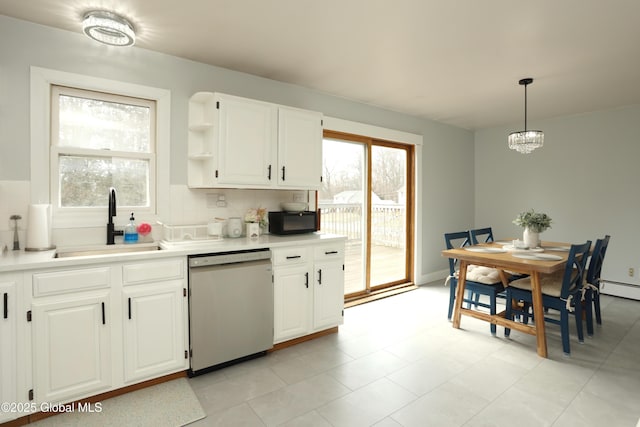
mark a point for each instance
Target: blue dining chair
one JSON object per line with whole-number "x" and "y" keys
{"x": 481, "y": 235}
{"x": 592, "y": 286}
{"x": 462, "y": 239}
{"x": 561, "y": 292}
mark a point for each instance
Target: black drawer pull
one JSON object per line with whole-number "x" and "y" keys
{"x": 269, "y": 173}
{"x": 331, "y": 252}
{"x": 306, "y": 280}
{"x": 294, "y": 256}
{"x": 6, "y": 305}
{"x": 320, "y": 277}
{"x": 283, "y": 173}
{"x": 129, "y": 302}
{"x": 104, "y": 320}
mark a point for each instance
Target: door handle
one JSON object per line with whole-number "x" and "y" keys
{"x": 306, "y": 280}
{"x": 283, "y": 173}
{"x": 6, "y": 305}
{"x": 294, "y": 256}
{"x": 129, "y": 303}
{"x": 269, "y": 173}
{"x": 104, "y": 320}
{"x": 320, "y": 277}
{"x": 331, "y": 252}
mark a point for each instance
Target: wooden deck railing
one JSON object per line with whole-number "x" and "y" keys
{"x": 387, "y": 222}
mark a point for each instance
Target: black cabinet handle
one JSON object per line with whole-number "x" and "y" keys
{"x": 320, "y": 277}
{"x": 6, "y": 305}
{"x": 294, "y": 256}
{"x": 104, "y": 320}
{"x": 306, "y": 279}
{"x": 269, "y": 173}
{"x": 129, "y": 303}
{"x": 331, "y": 252}
{"x": 283, "y": 173}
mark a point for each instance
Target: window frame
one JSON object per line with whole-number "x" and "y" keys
{"x": 57, "y": 150}
{"x": 42, "y": 172}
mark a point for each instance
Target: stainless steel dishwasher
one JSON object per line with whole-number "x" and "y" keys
{"x": 230, "y": 308}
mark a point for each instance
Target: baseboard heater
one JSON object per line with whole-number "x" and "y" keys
{"x": 619, "y": 289}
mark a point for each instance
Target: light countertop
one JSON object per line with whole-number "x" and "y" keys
{"x": 12, "y": 261}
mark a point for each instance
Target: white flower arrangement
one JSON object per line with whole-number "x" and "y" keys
{"x": 534, "y": 221}
{"x": 258, "y": 215}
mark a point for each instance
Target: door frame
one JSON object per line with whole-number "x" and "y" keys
{"x": 369, "y": 142}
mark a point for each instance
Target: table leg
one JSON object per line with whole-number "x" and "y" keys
{"x": 538, "y": 314}
{"x": 459, "y": 294}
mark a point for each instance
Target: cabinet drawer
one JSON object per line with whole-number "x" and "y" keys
{"x": 287, "y": 256}
{"x": 328, "y": 252}
{"x": 152, "y": 271}
{"x": 58, "y": 282}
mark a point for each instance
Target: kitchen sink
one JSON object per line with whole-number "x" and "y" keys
{"x": 105, "y": 250}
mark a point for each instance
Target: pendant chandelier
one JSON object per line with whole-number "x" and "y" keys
{"x": 527, "y": 140}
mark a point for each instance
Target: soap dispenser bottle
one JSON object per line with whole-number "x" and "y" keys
{"x": 130, "y": 231}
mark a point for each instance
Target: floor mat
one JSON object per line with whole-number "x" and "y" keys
{"x": 170, "y": 404}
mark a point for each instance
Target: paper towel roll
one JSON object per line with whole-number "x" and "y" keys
{"x": 39, "y": 228}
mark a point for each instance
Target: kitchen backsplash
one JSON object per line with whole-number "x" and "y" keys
{"x": 187, "y": 207}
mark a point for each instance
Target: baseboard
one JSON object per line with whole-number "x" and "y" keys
{"x": 432, "y": 277}
{"x": 299, "y": 340}
{"x": 618, "y": 289}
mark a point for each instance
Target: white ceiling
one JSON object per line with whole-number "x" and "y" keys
{"x": 454, "y": 61}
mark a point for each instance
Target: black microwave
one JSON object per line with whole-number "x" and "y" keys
{"x": 293, "y": 222}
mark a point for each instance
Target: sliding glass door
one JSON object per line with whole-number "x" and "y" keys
{"x": 342, "y": 205}
{"x": 367, "y": 195}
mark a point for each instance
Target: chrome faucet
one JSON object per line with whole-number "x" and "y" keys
{"x": 111, "y": 231}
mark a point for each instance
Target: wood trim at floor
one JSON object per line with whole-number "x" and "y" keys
{"x": 373, "y": 296}
{"x": 310, "y": 337}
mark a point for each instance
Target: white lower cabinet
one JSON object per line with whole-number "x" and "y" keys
{"x": 154, "y": 335}
{"x": 9, "y": 347}
{"x": 106, "y": 326}
{"x": 309, "y": 289}
{"x": 292, "y": 302}
{"x": 71, "y": 346}
{"x": 328, "y": 289}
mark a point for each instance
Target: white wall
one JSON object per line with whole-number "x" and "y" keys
{"x": 24, "y": 44}
{"x": 585, "y": 177}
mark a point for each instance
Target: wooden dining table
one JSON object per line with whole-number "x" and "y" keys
{"x": 506, "y": 261}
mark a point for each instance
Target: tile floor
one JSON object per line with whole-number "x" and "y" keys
{"x": 398, "y": 362}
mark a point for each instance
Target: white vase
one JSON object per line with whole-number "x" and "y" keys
{"x": 531, "y": 238}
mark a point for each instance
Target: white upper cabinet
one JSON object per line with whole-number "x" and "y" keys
{"x": 246, "y": 134}
{"x": 299, "y": 148}
{"x": 237, "y": 142}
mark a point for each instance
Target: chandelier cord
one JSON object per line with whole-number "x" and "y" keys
{"x": 525, "y": 107}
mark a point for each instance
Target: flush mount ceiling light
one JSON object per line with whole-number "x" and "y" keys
{"x": 527, "y": 140}
{"x": 108, "y": 28}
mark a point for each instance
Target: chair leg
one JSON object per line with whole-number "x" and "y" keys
{"x": 508, "y": 315}
{"x": 596, "y": 305}
{"x": 452, "y": 298}
{"x": 578, "y": 316}
{"x": 564, "y": 331}
{"x": 492, "y": 310}
{"x": 588, "y": 307}
{"x": 470, "y": 296}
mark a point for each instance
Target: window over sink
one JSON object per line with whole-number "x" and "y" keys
{"x": 99, "y": 141}
{"x": 89, "y": 134}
